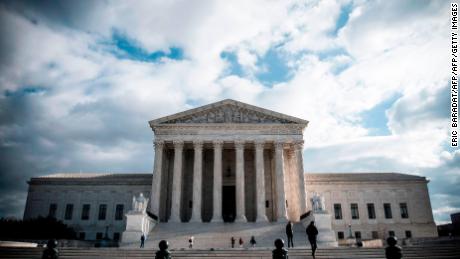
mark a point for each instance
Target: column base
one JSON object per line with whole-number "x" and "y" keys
{"x": 262, "y": 218}
{"x": 241, "y": 219}
{"x": 217, "y": 219}
{"x": 282, "y": 219}
{"x": 195, "y": 220}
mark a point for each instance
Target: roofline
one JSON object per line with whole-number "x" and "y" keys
{"x": 158, "y": 121}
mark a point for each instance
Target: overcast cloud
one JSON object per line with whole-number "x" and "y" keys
{"x": 79, "y": 80}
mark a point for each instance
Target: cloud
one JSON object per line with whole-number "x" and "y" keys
{"x": 80, "y": 80}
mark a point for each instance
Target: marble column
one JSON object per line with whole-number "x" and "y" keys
{"x": 156, "y": 179}
{"x": 260, "y": 182}
{"x": 280, "y": 190}
{"x": 177, "y": 182}
{"x": 197, "y": 181}
{"x": 240, "y": 202}
{"x": 298, "y": 146}
{"x": 217, "y": 185}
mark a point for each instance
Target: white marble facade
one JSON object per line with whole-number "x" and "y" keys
{"x": 228, "y": 149}
{"x": 230, "y": 161}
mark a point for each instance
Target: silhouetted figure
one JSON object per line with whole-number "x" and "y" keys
{"x": 142, "y": 240}
{"x": 393, "y": 251}
{"x": 312, "y": 232}
{"x": 163, "y": 253}
{"x": 190, "y": 242}
{"x": 232, "y": 240}
{"x": 241, "y": 242}
{"x": 51, "y": 251}
{"x": 253, "y": 241}
{"x": 280, "y": 252}
{"x": 290, "y": 234}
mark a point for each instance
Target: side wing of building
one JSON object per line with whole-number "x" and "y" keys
{"x": 90, "y": 203}
{"x": 375, "y": 205}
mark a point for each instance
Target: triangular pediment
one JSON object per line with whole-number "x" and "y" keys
{"x": 228, "y": 111}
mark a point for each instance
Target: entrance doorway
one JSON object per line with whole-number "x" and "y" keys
{"x": 228, "y": 203}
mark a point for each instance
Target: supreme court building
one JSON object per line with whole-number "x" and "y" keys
{"x": 233, "y": 163}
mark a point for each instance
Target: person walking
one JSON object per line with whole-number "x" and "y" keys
{"x": 253, "y": 241}
{"x": 190, "y": 242}
{"x": 142, "y": 240}
{"x": 312, "y": 233}
{"x": 280, "y": 252}
{"x": 163, "y": 253}
{"x": 51, "y": 251}
{"x": 393, "y": 251}
{"x": 290, "y": 234}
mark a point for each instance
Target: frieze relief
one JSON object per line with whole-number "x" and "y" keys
{"x": 228, "y": 114}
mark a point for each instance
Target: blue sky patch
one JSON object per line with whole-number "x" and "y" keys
{"x": 344, "y": 15}
{"x": 375, "y": 119}
{"x": 234, "y": 67}
{"x": 25, "y": 91}
{"x": 274, "y": 68}
{"x": 128, "y": 49}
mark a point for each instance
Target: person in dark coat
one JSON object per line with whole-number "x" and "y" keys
{"x": 312, "y": 233}
{"x": 142, "y": 240}
{"x": 290, "y": 234}
{"x": 393, "y": 251}
{"x": 51, "y": 251}
{"x": 280, "y": 252}
{"x": 253, "y": 241}
{"x": 163, "y": 253}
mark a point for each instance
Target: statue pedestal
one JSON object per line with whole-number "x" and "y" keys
{"x": 323, "y": 223}
{"x": 137, "y": 223}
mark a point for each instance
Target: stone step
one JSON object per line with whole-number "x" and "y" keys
{"x": 218, "y": 235}
{"x": 414, "y": 252}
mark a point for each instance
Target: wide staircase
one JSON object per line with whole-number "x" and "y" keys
{"x": 218, "y": 235}
{"x": 410, "y": 252}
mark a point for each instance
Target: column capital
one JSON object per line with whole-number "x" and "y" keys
{"x": 298, "y": 145}
{"x": 259, "y": 144}
{"x": 178, "y": 144}
{"x": 279, "y": 144}
{"x": 158, "y": 143}
{"x": 239, "y": 144}
{"x": 218, "y": 144}
{"x": 198, "y": 144}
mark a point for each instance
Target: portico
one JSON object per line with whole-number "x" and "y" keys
{"x": 228, "y": 161}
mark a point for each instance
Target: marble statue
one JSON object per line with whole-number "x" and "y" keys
{"x": 140, "y": 203}
{"x": 317, "y": 202}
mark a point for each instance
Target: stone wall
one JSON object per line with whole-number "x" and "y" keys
{"x": 414, "y": 193}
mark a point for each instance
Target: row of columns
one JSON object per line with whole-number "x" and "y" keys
{"x": 217, "y": 189}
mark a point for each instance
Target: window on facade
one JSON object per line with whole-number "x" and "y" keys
{"x": 391, "y": 233}
{"x": 387, "y": 209}
{"x": 375, "y": 235}
{"x": 85, "y": 212}
{"x": 371, "y": 210}
{"x": 102, "y": 211}
{"x": 408, "y": 234}
{"x": 116, "y": 236}
{"x": 52, "y": 210}
{"x": 338, "y": 211}
{"x": 119, "y": 212}
{"x": 404, "y": 212}
{"x": 354, "y": 211}
{"x": 358, "y": 234}
{"x": 99, "y": 235}
{"x": 340, "y": 235}
{"x": 68, "y": 211}
{"x": 81, "y": 235}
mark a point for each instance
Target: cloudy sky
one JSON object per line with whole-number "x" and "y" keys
{"x": 80, "y": 79}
